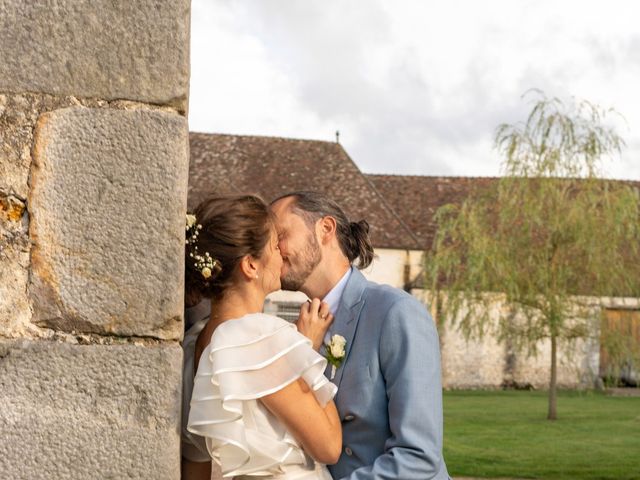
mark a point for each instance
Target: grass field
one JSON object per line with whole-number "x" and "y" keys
{"x": 506, "y": 434}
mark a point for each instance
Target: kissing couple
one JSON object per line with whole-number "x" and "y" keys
{"x": 352, "y": 390}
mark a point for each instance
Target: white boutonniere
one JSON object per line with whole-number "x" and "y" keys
{"x": 335, "y": 352}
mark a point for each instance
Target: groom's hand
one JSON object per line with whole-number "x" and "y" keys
{"x": 314, "y": 321}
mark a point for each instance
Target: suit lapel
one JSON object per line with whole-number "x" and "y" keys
{"x": 347, "y": 318}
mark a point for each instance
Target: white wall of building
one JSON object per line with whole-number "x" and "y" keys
{"x": 388, "y": 266}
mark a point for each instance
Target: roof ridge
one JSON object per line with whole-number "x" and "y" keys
{"x": 479, "y": 177}
{"x": 266, "y": 137}
{"x": 398, "y": 175}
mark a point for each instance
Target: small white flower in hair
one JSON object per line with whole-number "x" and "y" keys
{"x": 204, "y": 263}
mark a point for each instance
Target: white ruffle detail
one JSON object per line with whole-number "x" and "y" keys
{"x": 248, "y": 358}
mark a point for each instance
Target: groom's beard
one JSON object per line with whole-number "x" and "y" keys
{"x": 301, "y": 265}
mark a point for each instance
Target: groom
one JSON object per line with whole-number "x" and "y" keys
{"x": 389, "y": 390}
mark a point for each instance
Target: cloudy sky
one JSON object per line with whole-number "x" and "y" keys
{"x": 413, "y": 86}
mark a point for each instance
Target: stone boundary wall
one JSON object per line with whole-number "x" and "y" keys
{"x": 93, "y": 185}
{"x": 486, "y": 363}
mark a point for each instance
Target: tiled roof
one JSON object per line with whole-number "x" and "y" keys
{"x": 271, "y": 166}
{"x": 417, "y": 198}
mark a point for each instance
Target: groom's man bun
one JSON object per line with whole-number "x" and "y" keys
{"x": 353, "y": 237}
{"x": 232, "y": 226}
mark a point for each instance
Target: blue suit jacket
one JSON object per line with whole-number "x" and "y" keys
{"x": 389, "y": 387}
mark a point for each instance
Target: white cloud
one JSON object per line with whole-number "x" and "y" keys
{"x": 414, "y": 87}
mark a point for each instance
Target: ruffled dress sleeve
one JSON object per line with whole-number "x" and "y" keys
{"x": 248, "y": 358}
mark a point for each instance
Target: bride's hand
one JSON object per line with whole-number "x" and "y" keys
{"x": 314, "y": 321}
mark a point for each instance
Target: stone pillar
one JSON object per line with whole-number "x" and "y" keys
{"x": 93, "y": 186}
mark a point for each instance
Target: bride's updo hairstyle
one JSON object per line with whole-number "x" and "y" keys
{"x": 226, "y": 229}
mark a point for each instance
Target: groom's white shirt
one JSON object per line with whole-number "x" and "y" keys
{"x": 335, "y": 294}
{"x": 333, "y": 299}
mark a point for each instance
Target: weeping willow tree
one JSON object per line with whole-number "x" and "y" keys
{"x": 548, "y": 236}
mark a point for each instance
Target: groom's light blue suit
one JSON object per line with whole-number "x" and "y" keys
{"x": 389, "y": 387}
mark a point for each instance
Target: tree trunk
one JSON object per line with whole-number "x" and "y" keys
{"x": 553, "y": 400}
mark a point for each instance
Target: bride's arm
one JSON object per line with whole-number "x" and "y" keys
{"x": 317, "y": 429}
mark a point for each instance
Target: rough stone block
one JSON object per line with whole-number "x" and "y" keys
{"x": 80, "y": 412}
{"x": 107, "y": 206}
{"x": 16, "y": 131}
{"x": 14, "y": 262}
{"x": 110, "y": 49}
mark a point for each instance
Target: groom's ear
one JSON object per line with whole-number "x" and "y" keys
{"x": 327, "y": 227}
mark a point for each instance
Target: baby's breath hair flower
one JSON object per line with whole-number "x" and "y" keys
{"x": 205, "y": 264}
{"x": 192, "y": 228}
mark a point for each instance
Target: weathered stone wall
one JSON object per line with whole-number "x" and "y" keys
{"x": 93, "y": 178}
{"x": 487, "y": 363}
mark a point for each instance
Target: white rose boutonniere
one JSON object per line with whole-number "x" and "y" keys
{"x": 335, "y": 352}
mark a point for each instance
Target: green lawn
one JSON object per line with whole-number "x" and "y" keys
{"x": 506, "y": 434}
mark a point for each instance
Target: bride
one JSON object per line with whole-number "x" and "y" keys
{"x": 260, "y": 405}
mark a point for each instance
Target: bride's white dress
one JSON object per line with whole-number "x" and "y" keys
{"x": 248, "y": 358}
